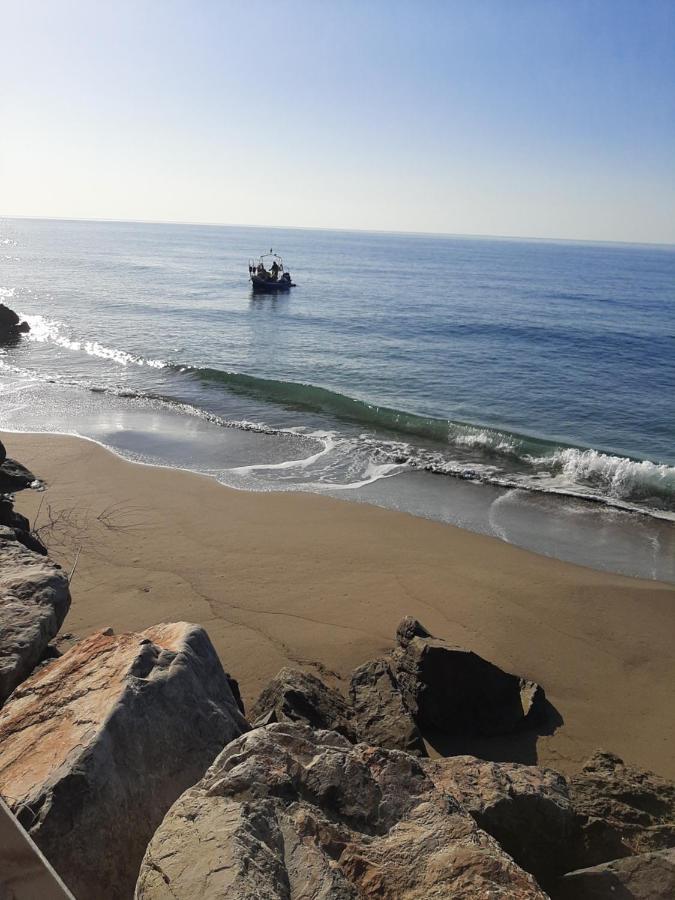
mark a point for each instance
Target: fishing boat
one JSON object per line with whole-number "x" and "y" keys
{"x": 267, "y": 273}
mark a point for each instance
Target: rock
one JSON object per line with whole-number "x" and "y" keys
{"x": 409, "y": 628}
{"x": 648, "y": 876}
{"x": 380, "y": 716}
{"x": 11, "y": 518}
{"x": 236, "y": 693}
{"x": 456, "y": 691}
{"x": 98, "y": 744}
{"x": 526, "y": 809}
{"x": 295, "y": 696}
{"x": 289, "y": 812}
{"x": 28, "y": 540}
{"x": 34, "y": 600}
{"x": 10, "y": 324}
{"x": 14, "y": 476}
{"x": 3, "y": 453}
{"x": 622, "y": 810}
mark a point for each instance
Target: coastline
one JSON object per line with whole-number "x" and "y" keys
{"x": 315, "y": 582}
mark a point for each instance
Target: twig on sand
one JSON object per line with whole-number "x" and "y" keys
{"x": 37, "y": 514}
{"x": 72, "y": 571}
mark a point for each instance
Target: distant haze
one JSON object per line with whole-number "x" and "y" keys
{"x": 541, "y": 118}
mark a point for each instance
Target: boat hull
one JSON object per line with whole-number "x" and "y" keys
{"x": 260, "y": 285}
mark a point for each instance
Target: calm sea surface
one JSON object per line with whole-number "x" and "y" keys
{"x": 502, "y": 385}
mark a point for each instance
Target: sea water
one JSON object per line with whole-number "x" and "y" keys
{"x": 524, "y": 389}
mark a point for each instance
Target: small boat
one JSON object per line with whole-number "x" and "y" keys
{"x": 267, "y": 273}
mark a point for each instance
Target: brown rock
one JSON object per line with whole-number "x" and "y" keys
{"x": 98, "y": 744}
{"x": 34, "y": 600}
{"x": 380, "y": 716}
{"x": 526, "y": 808}
{"x": 648, "y": 876}
{"x": 457, "y": 692}
{"x": 14, "y": 476}
{"x": 622, "y": 810}
{"x": 296, "y": 696}
{"x": 289, "y": 812}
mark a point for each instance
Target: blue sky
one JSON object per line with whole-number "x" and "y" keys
{"x": 543, "y": 118}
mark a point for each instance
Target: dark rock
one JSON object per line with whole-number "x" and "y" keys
{"x": 236, "y": 693}
{"x": 295, "y": 696}
{"x": 458, "y": 692}
{"x": 10, "y": 324}
{"x": 14, "y": 477}
{"x": 99, "y": 743}
{"x": 648, "y": 876}
{"x": 8, "y": 515}
{"x": 622, "y": 810}
{"x": 288, "y": 812}
{"x": 34, "y": 600}
{"x": 408, "y": 628}
{"x": 3, "y": 452}
{"x": 29, "y": 540}
{"x": 526, "y": 808}
{"x": 380, "y": 715}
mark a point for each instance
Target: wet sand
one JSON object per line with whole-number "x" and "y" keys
{"x": 309, "y": 581}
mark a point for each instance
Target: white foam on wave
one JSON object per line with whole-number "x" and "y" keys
{"x": 44, "y": 331}
{"x": 482, "y": 438}
{"x": 327, "y": 438}
{"x": 618, "y": 476}
{"x": 6, "y": 293}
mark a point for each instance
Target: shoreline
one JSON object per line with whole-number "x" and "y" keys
{"x": 317, "y": 583}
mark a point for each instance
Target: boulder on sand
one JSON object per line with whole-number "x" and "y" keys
{"x": 380, "y": 715}
{"x": 11, "y": 325}
{"x": 648, "y": 876}
{"x": 457, "y": 692}
{"x": 622, "y": 810}
{"x": 526, "y": 809}
{"x": 34, "y": 600}
{"x": 296, "y": 696}
{"x": 14, "y": 476}
{"x": 286, "y": 812}
{"x": 98, "y": 745}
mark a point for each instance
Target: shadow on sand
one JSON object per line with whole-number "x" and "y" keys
{"x": 520, "y": 746}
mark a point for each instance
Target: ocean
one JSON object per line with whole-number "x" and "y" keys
{"x": 524, "y": 389}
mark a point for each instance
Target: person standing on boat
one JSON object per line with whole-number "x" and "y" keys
{"x": 274, "y": 269}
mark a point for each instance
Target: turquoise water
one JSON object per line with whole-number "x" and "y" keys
{"x": 540, "y": 368}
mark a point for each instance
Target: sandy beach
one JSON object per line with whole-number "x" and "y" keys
{"x": 307, "y": 581}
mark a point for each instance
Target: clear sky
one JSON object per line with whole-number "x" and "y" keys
{"x": 543, "y": 118}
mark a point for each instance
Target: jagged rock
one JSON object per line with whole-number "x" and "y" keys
{"x": 456, "y": 691}
{"x": 409, "y": 628}
{"x": 295, "y": 696}
{"x": 526, "y": 808}
{"x": 10, "y": 324}
{"x": 98, "y": 744}
{"x": 14, "y": 476}
{"x": 26, "y": 538}
{"x": 11, "y": 518}
{"x": 34, "y": 600}
{"x": 648, "y": 876}
{"x": 3, "y": 453}
{"x": 622, "y": 810}
{"x": 289, "y": 812}
{"x": 380, "y": 716}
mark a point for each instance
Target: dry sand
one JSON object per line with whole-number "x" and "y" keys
{"x": 303, "y": 580}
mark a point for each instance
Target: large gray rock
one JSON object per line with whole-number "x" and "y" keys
{"x": 287, "y": 812}
{"x": 457, "y": 692}
{"x": 648, "y": 876}
{"x": 34, "y": 600}
{"x": 296, "y": 696}
{"x": 622, "y": 810}
{"x": 97, "y": 745}
{"x": 526, "y": 808}
{"x": 380, "y": 715}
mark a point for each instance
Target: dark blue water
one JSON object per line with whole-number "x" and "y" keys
{"x": 546, "y": 367}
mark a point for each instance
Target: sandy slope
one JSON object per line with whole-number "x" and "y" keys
{"x": 304, "y": 580}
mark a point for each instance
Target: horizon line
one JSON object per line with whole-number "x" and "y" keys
{"x": 439, "y": 234}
